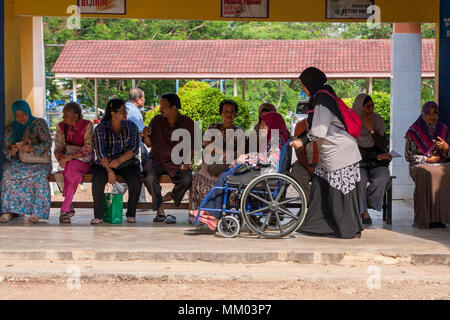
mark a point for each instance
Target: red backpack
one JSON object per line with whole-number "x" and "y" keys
{"x": 351, "y": 119}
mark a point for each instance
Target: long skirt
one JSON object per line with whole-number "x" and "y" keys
{"x": 25, "y": 189}
{"x": 372, "y": 194}
{"x": 431, "y": 194}
{"x": 202, "y": 183}
{"x": 334, "y": 203}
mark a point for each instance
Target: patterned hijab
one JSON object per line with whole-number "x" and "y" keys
{"x": 19, "y": 129}
{"x": 423, "y": 134}
{"x": 274, "y": 121}
{"x": 365, "y": 140}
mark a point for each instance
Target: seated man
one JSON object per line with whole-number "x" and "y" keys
{"x": 158, "y": 136}
{"x": 307, "y": 158}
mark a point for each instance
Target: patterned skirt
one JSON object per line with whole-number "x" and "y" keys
{"x": 334, "y": 203}
{"x": 25, "y": 189}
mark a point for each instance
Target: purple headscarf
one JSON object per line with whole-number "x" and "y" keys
{"x": 423, "y": 134}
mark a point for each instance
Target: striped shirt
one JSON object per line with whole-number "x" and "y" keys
{"x": 111, "y": 145}
{"x": 135, "y": 115}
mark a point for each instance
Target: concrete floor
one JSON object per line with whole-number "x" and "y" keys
{"x": 145, "y": 240}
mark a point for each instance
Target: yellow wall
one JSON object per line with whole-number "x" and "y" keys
{"x": 13, "y": 79}
{"x": 26, "y": 55}
{"x": 280, "y": 10}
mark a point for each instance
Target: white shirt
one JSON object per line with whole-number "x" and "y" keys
{"x": 337, "y": 148}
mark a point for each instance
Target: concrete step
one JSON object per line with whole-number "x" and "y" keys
{"x": 235, "y": 257}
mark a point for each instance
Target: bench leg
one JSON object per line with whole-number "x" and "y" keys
{"x": 389, "y": 207}
{"x": 385, "y": 205}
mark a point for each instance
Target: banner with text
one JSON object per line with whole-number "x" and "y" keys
{"x": 245, "y": 8}
{"x": 102, "y": 6}
{"x": 348, "y": 9}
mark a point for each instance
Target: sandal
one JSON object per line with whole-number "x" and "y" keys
{"x": 5, "y": 218}
{"x": 170, "y": 219}
{"x": 159, "y": 218}
{"x": 33, "y": 220}
{"x": 96, "y": 221}
{"x": 65, "y": 217}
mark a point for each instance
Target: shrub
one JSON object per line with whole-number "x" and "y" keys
{"x": 201, "y": 103}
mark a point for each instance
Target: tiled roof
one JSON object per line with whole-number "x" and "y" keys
{"x": 229, "y": 58}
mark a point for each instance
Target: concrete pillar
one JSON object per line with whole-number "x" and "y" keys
{"x": 234, "y": 87}
{"x": 74, "y": 89}
{"x": 443, "y": 61}
{"x": 133, "y": 83}
{"x": 406, "y": 69}
{"x": 33, "y": 64}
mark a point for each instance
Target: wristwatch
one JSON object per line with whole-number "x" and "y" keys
{"x": 372, "y": 131}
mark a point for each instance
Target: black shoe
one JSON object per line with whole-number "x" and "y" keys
{"x": 367, "y": 220}
{"x": 437, "y": 225}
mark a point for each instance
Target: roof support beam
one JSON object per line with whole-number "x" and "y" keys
{"x": 369, "y": 85}
{"x": 96, "y": 96}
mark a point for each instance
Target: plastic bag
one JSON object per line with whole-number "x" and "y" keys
{"x": 113, "y": 208}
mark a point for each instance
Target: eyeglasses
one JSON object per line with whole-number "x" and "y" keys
{"x": 122, "y": 111}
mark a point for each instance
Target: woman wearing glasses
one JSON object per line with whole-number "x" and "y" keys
{"x": 116, "y": 142}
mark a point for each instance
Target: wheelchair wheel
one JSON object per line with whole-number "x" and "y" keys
{"x": 273, "y": 205}
{"x": 229, "y": 226}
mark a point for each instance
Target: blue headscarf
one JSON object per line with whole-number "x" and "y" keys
{"x": 19, "y": 129}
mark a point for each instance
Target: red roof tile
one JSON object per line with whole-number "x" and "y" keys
{"x": 254, "y": 58}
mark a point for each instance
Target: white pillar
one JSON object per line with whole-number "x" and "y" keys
{"x": 234, "y": 87}
{"x": 133, "y": 83}
{"x": 39, "y": 68}
{"x": 74, "y": 89}
{"x": 406, "y": 80}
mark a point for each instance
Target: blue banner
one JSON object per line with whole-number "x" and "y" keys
{"x": 444, "y": 62}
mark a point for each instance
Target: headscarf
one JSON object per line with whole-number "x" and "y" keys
{"x": 19, "y": 129}
{"x": 274, "y": 121}
{"x": 365, "y": 140}
{"x": 314, "y": 80}
{"x": 266, "y": 106}
{"x": 423, "y": 134}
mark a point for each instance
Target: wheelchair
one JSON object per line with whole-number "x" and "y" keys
{"x": 272, "y": 205}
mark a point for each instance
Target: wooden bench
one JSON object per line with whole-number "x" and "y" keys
{"x": 387, "y": 202}
{"x": 87, "y": 178}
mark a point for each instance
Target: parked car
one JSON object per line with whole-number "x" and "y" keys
{"x": 299, "y": 114}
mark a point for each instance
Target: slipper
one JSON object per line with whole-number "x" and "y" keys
{"x": 33, "y": 220}
{"x": 210, "y": 223}
{"x": 159, "y": 218}
{"x": 96, "y": 221}
{"x": 170, "y": 219}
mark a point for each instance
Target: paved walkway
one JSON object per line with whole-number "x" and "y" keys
{"x": 145, "y": 240}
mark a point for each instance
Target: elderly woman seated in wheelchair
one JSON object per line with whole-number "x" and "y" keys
{"x": 269, "y": 201}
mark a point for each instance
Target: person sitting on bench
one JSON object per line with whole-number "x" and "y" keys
{"x": 74, "y": 152}
{"x": 158, "y": 136}
{"x": 116, "y": 142}
{"x": 373, "y": 146}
